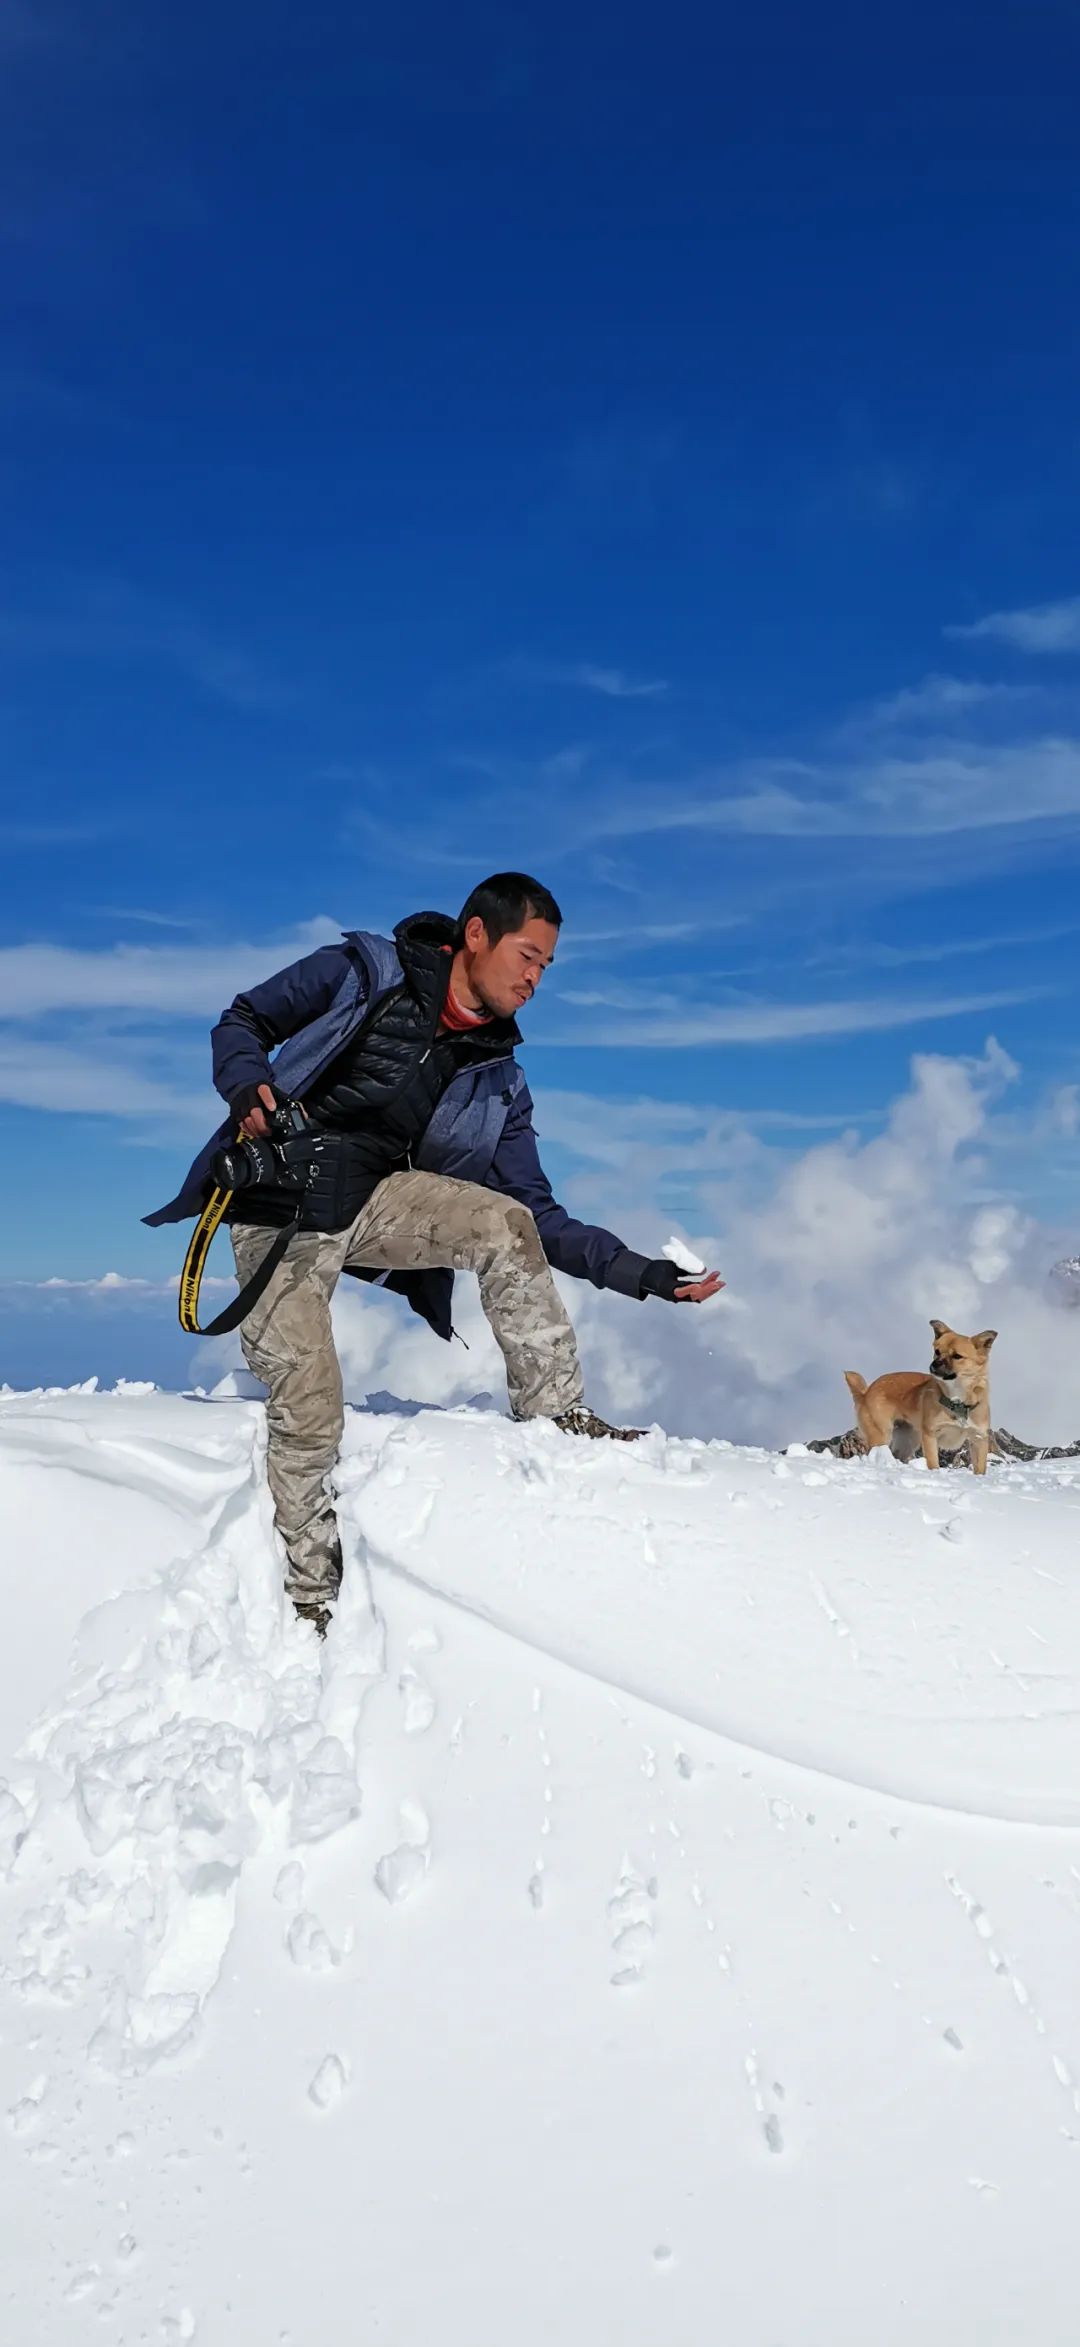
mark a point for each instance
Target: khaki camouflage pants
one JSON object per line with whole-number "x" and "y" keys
{"x": 412, "y": 1222}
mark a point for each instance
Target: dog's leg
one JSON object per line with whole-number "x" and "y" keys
{"x": 979, "y": 1446}
{"x": 930, "y": 1450}
{"x": 874, "y": 1434}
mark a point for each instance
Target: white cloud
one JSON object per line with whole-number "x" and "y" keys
{"x": 836, "y": 1260}
{"x": 614, "y": 683}
{"x": 88, "y": 1033}
{"x": 1042, "y": 627}
{"x": 109, "y": 1283}
{"x": 596, "y": 1126}
{"x": 781, "y": 1022}
{"x": 145, "y": 919}
{"x": 959, "y": 787}
{"x": 1063, "y": 1111}
{"x": 92, "y": 1081}
{"x": 192, "y": 980}
{"x": 944, "y": 948}
{"x": 588, "y": 676}
{"x": 116, "y": 1284}
{"x": 936, "y": 700}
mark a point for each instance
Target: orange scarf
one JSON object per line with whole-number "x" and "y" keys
{"x": 457, "y": 1019}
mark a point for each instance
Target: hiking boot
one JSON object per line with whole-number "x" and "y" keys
{"x": 584, "y": 1421}
{"x": 319, "y": 1614}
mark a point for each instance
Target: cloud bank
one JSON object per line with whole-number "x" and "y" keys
{"x": 835, "y": 1260}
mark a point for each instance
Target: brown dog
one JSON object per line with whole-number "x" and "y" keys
{"x": 942, "y": 1411}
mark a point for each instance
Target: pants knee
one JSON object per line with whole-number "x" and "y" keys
{"x": 520, "y": 1223}
{"x": 311, "y": 1415}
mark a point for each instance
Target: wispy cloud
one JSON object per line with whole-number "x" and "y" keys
{"x": 956, "y": 787}
{"x": 596, "y": 1127}
{"x": 104, "y": 619}
{"x": 781, "y": 1022}
{"x": 139, "y": 914}
{"x": 588, "y": 676}
{"x": 1041, "y": 627}
{"x": 635, "y": 937}
{"x": 945, "y": 948}
{"x": 53, "y": 835}
{"x": 111, "y": 1283}
{"x": 937, "y": 700}
{"x": 90, "y": 1080}
{"x": 113, "y": 1287}
{"x": 190, "y": 980}
{"x": 614, "y": 683}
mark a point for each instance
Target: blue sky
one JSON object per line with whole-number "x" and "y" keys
{"x": 642, "y": 447}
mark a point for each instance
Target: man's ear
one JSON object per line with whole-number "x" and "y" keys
{"x": 940, "y": 1327}
{"x": 985, "y": 1339}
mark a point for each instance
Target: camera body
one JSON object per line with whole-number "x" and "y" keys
{"x": 283, "y": 1161}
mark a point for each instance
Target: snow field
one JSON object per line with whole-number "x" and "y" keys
{"x": 652, "y": 1917}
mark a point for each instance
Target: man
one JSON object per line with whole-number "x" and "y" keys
{"x": 401, "y": 1055}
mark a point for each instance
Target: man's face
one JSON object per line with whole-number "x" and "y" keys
{"x": 507, "y": 975}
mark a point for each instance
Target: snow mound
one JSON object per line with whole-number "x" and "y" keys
{"x": 672, "y": 1847}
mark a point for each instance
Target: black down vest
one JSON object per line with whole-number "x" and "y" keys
{"x": 382, "y": 1091}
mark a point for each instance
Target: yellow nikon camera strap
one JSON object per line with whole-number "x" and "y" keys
{"x": 195, "y": 1264}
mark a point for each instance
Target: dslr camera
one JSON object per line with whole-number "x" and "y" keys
{"x": 282, "y": 1162}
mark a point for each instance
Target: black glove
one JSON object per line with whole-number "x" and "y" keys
{"x": 662, "y": 1277}
{"x": 248, "y": 1098}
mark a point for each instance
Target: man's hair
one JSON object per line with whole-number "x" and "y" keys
{"x": 505, "y": 903}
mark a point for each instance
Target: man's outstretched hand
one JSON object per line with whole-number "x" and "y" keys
{"x": 699, "y": 1290}
{"x": 663, "y": 1278}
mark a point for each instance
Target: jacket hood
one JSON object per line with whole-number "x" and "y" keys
{"x": 436, "y": 931}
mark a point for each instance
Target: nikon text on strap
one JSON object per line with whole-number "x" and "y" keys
{"x": 195, "y": 1264}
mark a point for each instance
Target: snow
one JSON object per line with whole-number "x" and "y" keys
{"x": 683, "y": 1257}
{"x": 651, "y": 1918}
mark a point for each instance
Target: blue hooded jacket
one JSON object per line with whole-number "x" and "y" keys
{"x": 481, "y": 1131}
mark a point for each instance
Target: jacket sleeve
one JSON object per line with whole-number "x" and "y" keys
{"x": 581, "y": 1248}
{"x": 258, "y": 1021}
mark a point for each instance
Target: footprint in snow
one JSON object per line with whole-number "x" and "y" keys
{"x": 425, "y": 1640}
{"x": 309, "y": 1945}
{"x": 418, "y": 1701}
{"x": 289, "y": 1887}
{"x": 81, "y": 2285}
{"x": 329, "y": 2083}
{"x": 177, "y": 2329}
{"x": 25, "y": 2114}
{"x": 400, "y": 1871}
{"x": 770, "y": 2123}
{"x": 630, "y": 1914}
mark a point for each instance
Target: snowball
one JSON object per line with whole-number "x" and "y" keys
{"x": 681, "y": 1256}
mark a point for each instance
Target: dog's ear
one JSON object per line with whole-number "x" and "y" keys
{"x": 985, "y": 1339}
{"x": 940, "y": 1327}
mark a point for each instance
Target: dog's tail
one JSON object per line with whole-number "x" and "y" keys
{"x": 857, "y": 1383}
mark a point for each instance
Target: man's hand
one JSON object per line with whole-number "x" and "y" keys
{"x": 699, "y": 1290}
{"x": 250, "y": 1116}
{"x": 663, "y": 1278}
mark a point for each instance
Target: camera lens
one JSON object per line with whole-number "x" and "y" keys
{"x": 231, "y": 1167}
